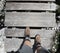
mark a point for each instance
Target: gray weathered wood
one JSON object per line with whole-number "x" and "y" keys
{"x": 30, "y": 6}
{"x": 30, "y": 0}
{"x": 2, "y": 48}
{"x": 14, "y": 32}
{"x": 14, "y": 43}
{"x": 44, "y": 19}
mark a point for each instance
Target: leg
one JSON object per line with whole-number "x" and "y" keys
{"x": 27, "y": 35}
{"x": 38, "y": 47}
{"x": 37, "y": 44}
{"x": 26, "y": 48}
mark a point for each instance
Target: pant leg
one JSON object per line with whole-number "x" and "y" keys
{"x": 43, "y": 50}
{"x": 26, "y": 49}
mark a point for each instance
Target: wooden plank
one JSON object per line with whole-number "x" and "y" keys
{"x": 2, "y": 48}
{"x": 30, "y": 6}
{"x": 32, "y": 19}
{"x": 30, "y": 0}
{"x": 10, "y": 44}
{"x": 15, "y": 32}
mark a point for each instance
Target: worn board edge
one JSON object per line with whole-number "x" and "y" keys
{"x": 14, "y": 32}
{"x": 9, "y": 43}
{"x": 34, "y": 5}
{"x": 30, "y": 0}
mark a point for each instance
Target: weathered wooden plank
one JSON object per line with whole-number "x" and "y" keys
{"x": 10, "y": 44}
{"x": 14, "y": 32}
{"x": 2, "y": 48}
{"x": 30, "y": 0}
{"x": 33, "y": 19}
{"x": 30, "y": 6}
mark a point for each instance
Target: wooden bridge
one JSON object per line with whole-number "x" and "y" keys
{"x": 39, "y": 15}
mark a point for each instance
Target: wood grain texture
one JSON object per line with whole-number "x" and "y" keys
{"x": 30, "y": 6}
{"x": 32, "y": 19}
{"x": 14, "y": 44}
{"x": 30, "y": 0}
{"x": 15, "y": 32}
